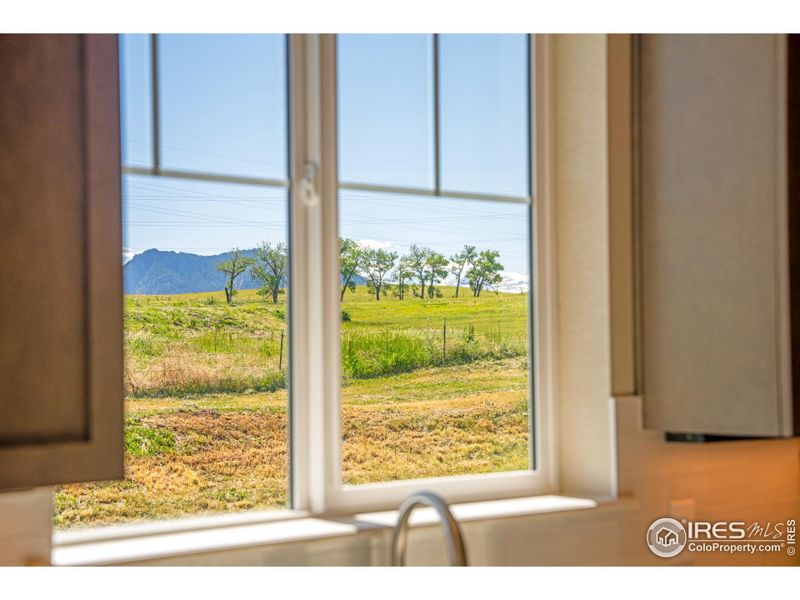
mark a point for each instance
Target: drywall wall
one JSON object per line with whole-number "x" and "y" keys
{"x": 26, "y": 518}
{"x": 583, "y": 339}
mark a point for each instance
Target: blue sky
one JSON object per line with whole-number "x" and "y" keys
{"x": 223, "y": 110}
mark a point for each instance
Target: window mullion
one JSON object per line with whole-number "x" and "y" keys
{"x": 437, "y": 141}
{"x": 156, "y": 102}
{"x": 314, "y": 248}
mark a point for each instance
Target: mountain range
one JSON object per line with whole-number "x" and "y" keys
{"x": 166, "y": 272}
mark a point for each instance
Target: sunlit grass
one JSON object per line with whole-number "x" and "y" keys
{"x": 431, "y": 388}
{"x": 197, "y": 343}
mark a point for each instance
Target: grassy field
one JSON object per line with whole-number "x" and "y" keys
{"x": 207, "y": 402}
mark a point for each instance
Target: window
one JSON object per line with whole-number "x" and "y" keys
{"x": 406, "y": 337}
{"x": 435, "y": 336}
{"x": 205, "y": 208}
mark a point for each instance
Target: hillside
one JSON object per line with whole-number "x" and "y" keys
{"x": 165, "y": 272}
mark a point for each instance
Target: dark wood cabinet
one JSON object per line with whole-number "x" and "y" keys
{"x": 61, "y": 383}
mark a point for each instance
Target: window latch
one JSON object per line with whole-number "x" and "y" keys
{"x": 308, "y": 184}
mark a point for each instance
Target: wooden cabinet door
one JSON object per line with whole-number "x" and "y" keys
{"x": 712, "y": 194}
{"x": 61, "y": 382}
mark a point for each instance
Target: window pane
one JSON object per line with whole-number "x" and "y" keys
{"x": 223, "y": 104}
{"x": 136, "y": 98}
{"x": 435, "y": 378}
{"x": 385, "y": 109}
{"x": 483, "y": 112}
{"x": 205, "y": 373}
{"x": 435, "y": 291}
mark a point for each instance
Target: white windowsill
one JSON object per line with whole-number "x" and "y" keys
{"x": 129, "y": 531}
{"x": 154, "y": 541}
{"x": 476, "y": 511}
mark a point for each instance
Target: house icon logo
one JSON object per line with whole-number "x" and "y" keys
{"x": 666, "y": 537}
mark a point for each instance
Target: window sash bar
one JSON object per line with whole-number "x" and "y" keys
{"x": 437, "y": 146}
{"x": 203, "y": 176}
{"x": 415, "y": 191}
{"x": 344, "y": 185}
{"x": 154, "y": 84}
{"x": 534, "y": 449}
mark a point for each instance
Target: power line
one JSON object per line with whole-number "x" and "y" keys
{"x": 256, "y": 162}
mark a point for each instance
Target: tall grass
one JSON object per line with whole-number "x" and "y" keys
{"x": 179, "y": 376}
{"x": 367, "y": 354}
{"x": 195, "y": 344}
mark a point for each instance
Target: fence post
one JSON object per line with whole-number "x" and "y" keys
{"x": 444, "y": 338}
{"x": 280, "y": 355}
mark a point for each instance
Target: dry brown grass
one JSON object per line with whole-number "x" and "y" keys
{"x": 184, "y": 371}
{"x": 228, "y": 452}
{"x": 223, "y": 462}
{"x": 481, "y": 433}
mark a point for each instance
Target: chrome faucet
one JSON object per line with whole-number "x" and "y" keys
{"x": 455, "y": 540}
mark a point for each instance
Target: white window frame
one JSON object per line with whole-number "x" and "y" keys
{"x": 316, "y": 474}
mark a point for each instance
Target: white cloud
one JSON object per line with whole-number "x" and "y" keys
{"x": 451, "y": 279}
{"x": 513, "y": 282}
{"x": 127, "y": 254}
{"x": 375, "y": 244}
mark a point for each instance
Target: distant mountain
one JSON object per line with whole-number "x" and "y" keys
{"x": 162, "y": 272}
{"x": 165, "y": 272}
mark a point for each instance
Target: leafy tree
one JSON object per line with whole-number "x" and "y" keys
{"x": 417, "y": 264}
{"x": 269, "y": 268}
{"x": 377, "y": 263}
{"x": 351, "y": 262}
{"x": 436, "y": 270}
{"x": 459, "y": 262}
{"x": 233, "y": 268}
{"x": 402, "y": 275}
{"x": 485, "y": 271}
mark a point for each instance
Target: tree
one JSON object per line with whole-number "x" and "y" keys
{"x": 233, "y": 268}
{"x": 416, "y": 261}
{"x": 269, "y": 269}
{"x": 485, "y": 271}
{"x": 402, "y": 274}
{"x": 436, "y": 270}
{"x": 459, "y": 262}
{"x": 377, "y": 263}
{"x": 351, "y": 261}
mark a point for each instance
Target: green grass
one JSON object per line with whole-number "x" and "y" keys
{"x": 147, "y": 441}
{"x": 494, "y": 315}
{"x": 197, "y": 343}
{"x": 207, "y": 404}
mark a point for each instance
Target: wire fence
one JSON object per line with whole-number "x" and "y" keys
{"x": 210, "y": 358}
